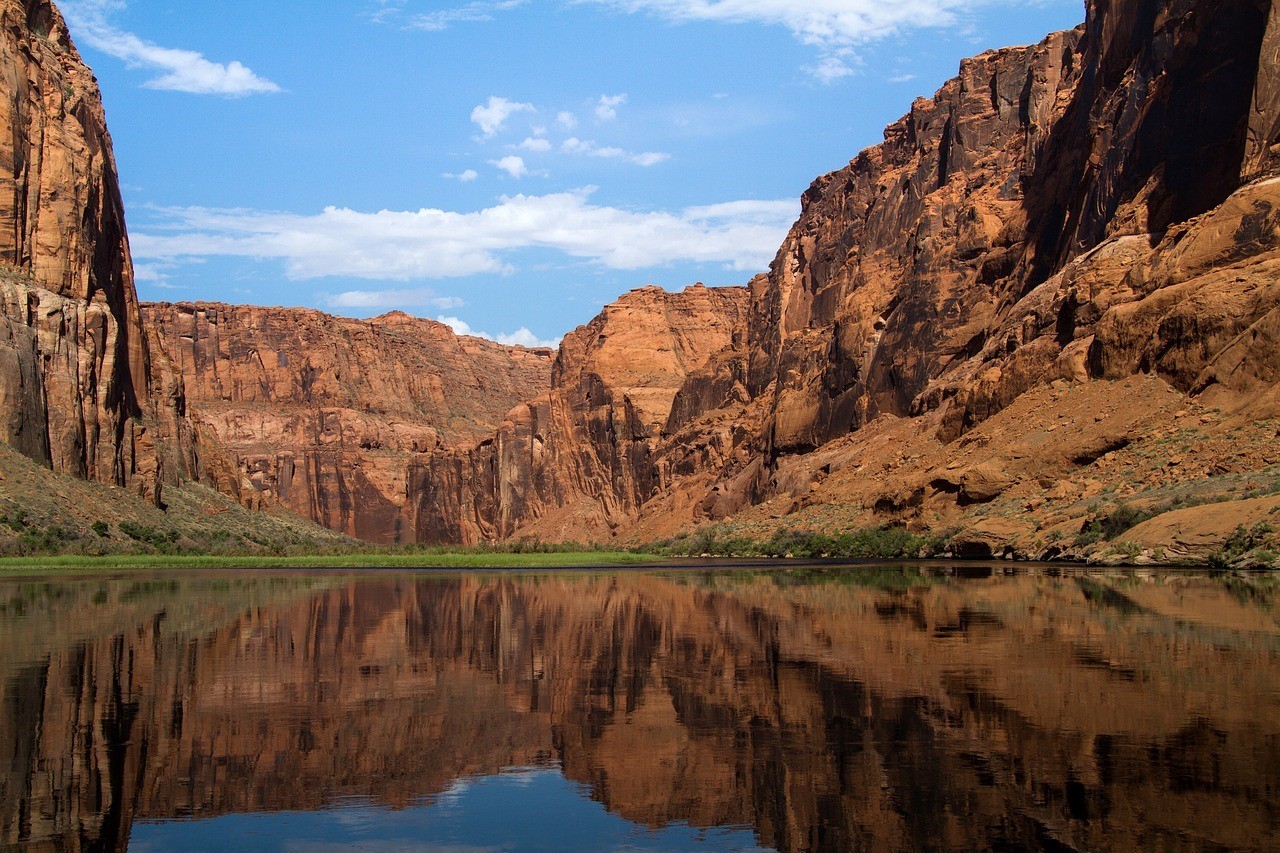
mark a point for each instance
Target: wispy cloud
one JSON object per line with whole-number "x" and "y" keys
{"x": 490, "y": 117}
{"x": 588, "y": 148}
{"x": 180, "y": 70}
{"x": 521, "y": 337}
{"x": 835, "y": 27}
{"x": 432, "y": 244}
{"x": 466, "y": 176}
{"x": 393, "y": 11}
{"x": 377, "y": 299}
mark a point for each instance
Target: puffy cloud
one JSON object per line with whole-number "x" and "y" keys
{"x": 430, "y": 244}
{"x": 492, "y": 116}
{"x": 180, "y": 70}
{"x": 830, "y": 68}
{"x": 521, "y": 337}
{"x": 835, "y": 27}
{"x": 606, "y": 107}
{"x": 536, "y": 143}
{"x": 512, "y": 165}
{"x": 566, "y": 119}
{"x": 588, "y": 148}
{"x": 466, "y": 176}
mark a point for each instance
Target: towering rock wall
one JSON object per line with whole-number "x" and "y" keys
{"x": 577, "y": 462}
{"x": 76, "y": 388}
{"x": 321, "y": 414}
{"x": 1090, "y": 207}
{"x": 1087, "y": 208}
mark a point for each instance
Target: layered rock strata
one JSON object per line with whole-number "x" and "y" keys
{"x": 321, "y": 414}
{"x": 1094, "y": 207}
{"x": 578, "y": 461}
{"x": 76, "y": 384}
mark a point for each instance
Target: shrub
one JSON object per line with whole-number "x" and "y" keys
{"x": 17, "y": 521}
{"x": 1107, "y": 526}
{"x": 1242, "y": 542}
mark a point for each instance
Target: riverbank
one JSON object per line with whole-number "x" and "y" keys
{"x": 366, "y": 560}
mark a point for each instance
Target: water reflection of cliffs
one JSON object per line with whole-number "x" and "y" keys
{"x": 1029, "y": 711}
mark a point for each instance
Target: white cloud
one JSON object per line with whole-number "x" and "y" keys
{"x": 536, "y": 143}
{"x": 901, "y": 78}
{"x": 512, "y": 165}
{"x": 606, "y": 107}
{"x": 412, "y": 298}
{"x": 465, "y": 177}
{"x": 830, "y": 68}
{"x": 566, "y": 119}
{"x": 180, "y": 70}
{"x": 491, "y": 117}
{"x": 442, "y": 19}
{"x": 430, "y": 244}
{"x": 835, "y": 27}
{"x": 521, "y": 337}
{"x": 588, "y": 148}
{"x": 650, "y": 158}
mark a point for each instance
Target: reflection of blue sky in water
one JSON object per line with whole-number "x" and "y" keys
{"x": 523, "y": 810}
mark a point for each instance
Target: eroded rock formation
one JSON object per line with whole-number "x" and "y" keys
{"x": 578, "y": 461}
{"x": 321, "y": 414}
{"x": 1094, "y": 207}
{"x": 76, "y": 382}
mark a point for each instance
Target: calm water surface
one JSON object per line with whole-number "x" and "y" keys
{"x": 921, "y": 708}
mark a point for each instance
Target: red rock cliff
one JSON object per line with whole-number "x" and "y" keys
{"x": 321, "y": 413}
{"x": 1088, "y": 208}
{"x": 577, "y": 462}
{"x": 75, "y": 371}
{"x": 1085, "y": 209}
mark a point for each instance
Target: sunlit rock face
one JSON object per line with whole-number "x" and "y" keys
{"x": 885, "y": 711}
{"x": 1093, "y": 207}
{"x": 578, "y": 462}
{"x": 321, "y": 414}
{"x": 76, "y": 378}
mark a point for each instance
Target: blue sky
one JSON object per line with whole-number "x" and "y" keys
{"x": 509, "y": 166}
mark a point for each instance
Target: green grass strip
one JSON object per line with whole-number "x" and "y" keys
{"x": 444, "y": 560}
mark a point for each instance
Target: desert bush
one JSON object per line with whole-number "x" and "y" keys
{"x": 1107, "y": 526}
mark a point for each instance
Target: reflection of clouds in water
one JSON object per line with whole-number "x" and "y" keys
{"x": 523, "y": 777}
{"x": 388, "y": 845}
{"x": 451, "y": 797}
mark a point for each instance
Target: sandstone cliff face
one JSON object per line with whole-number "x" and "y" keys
{"x": 75, "y": 380}
{"x": 1089, "y": 208}
{"x": 1092, "y": 207}
{"x": 321, "y": 414}
{"x": 577, "y": 462}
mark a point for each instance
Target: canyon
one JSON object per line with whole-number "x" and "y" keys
{"x": 1048, "y": 296}
{"x": 322, "y": 414}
